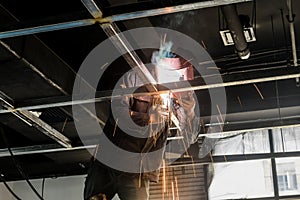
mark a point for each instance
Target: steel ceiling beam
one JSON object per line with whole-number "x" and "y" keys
{"x": 170, "y": 9}
{"x": 32, "y": 120}
{"x": 114, "y": 18}
{"x": 47, "y": 28}
{"x": 41, "y": 149}
{"x": 271, "y": 75}
{"x": 46, "y": 78}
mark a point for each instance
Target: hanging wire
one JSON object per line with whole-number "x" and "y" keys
{"x": 43, "y": 186}
{"x": 18, "y": 166}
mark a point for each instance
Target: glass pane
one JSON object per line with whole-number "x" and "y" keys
{"x": 246, "y": 143}
{"x": 286, "y": 139}
{"x": 239, "y": 180}
{"x": 288, "y": 175}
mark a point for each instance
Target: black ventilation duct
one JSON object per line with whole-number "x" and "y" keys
{"x": 234, "y": 25}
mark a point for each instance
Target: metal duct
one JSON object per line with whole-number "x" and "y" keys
{"x": 236, "y": 29}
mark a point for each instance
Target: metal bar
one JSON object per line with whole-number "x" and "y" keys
{"x": 273, "y": 165}
{"x": 35, "y": 69}
{"x": 183, "y": 86}
{"x": 46, "y": 129}
{"x": 171, "y": 9}
{"x": 33, "y": 120}
{"x": 40, "y": 149}
{"x": 245, "y": 157}
{"x": 50, "y": 148}
{"x": 131, "y": 57}
{"x": 232, "y": 133}
{"x": 32, "y": 67}
{"x": 92, "y": 7}
{"x": 120, "y": 17}
{"x": 293, "y": 38}
{"x": 47, "y": 28}
{"x": 292, "y": 31}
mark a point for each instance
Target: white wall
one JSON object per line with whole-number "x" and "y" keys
{"x": 55, "y": 189}
{"x": 61, "y": 188}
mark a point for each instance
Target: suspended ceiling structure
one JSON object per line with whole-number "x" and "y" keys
{"x": 43, "y": 45}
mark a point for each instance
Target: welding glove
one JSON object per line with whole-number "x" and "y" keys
{"x": 188, "y": 103}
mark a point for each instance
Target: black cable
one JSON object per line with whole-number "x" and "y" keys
{"x": 43, "y": 187}
{"x": 8, "y": 188}
{"x": 18, "y": 166}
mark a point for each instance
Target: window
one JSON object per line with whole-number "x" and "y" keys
{"x": 288, "y": 176}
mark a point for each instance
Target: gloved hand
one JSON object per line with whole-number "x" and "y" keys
{"x": 188, "y": 103}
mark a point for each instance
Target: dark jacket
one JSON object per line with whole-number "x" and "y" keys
{"x": 140, "y": 108}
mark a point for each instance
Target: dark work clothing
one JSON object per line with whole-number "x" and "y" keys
{"x": 141, "y": 110}
{"x": 109, "y": 182}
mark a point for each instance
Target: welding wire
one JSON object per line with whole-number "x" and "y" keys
{"x": 173, "y": 191}
{"x": 221, "y": 117}
{"x": 176, "y": 186}
{"x": 259, "y": 92}
{"x": 225, "y": 158}
{"x": 115, "y": 128}
{"x": 240, "y": 101}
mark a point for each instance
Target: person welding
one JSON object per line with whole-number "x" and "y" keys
{"x": 152, "y": 117}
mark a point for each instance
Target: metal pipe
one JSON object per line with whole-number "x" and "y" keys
{"x": 127, "y": 92}
{"x": 293, "y": 38}
{"x": 236, "y": 29}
